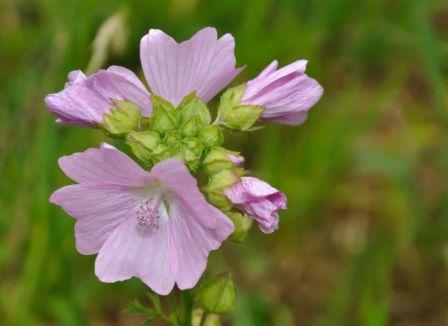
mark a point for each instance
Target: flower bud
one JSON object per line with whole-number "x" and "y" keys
{"x": 217, "y": 295}
{"x": 191, "y": 151}
{"x": 193, "y": 107}
{"x": 216, "y": 161}
{"x": 233, "y": 114}
{"x": 211, "y": 136}
{"x": 146, "y": 145}
{"x": 121, "y": 120}
{"x": 163, "y": 116}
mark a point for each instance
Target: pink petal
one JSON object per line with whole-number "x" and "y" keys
{"x": 248, "y": 188}
{"x": 105, "y": 165}
{"x": 98, "y": 210}
{"x": 140, "y": 251}
{"x": 84, "y": 100}
{"x": 191, "y": 241}
{"x": 286, "y": 94}
{"x": 174, "y": 70}
{"x": 175, "y": 175}
{"x": 222, "y": 68}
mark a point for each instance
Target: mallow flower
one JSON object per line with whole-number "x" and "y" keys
{"x": 259, "y": 200}
{"x": 285, "y": 94}
{"x": 203, "y": 64}
{"x": 156, "y": 226}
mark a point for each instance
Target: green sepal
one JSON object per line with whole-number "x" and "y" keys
{"x": 146, "y": 145}
{"x": 214, "y": 191}
{"x": 223, "y": 179}
{"x": 192, "y": 106}
{"x": 234, "y": 115}
{"x": 217, "y": 295}
{"x": 122, "y": 119}
{"x": 219, "y": 200}
{"x": 211, "y": 136}
{"x": 242, "y": 224}
{"x": 163, "y": 116}
{"x": 216, "y": 161}
{"x": 241, "y": 117}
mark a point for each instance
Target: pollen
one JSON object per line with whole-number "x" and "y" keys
{"x": 148, "y": 212}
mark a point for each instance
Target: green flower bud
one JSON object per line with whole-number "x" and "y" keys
{"x": 192, "y": 150}
{"x": 122, "y": 119}
{"x": 242, "y": 224}
{"x": 190, "y": 127}
{"x": 146, "y": 145}
{"x": 163, "y": 115}
{"x": 217, "y": 295}
{"x": 190, "y": 107}
{"x": 216, "y": 161}
{"x": 234, "y": 115}
{"x": 211, "y": 136}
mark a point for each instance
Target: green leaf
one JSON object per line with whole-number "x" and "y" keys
{"x": 217, "y": 295}
{"x": 122, "y": 119}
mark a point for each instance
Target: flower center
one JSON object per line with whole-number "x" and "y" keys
{"x": 148, "y": 213}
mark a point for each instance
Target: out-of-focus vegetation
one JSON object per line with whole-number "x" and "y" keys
{"x": 365, "y": 238}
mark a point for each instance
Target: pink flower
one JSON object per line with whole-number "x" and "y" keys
{"x": 259, "y": 200}
{"x": 156, "y": 226}
{"x": 84, "y": 100}
{"x": 286, "y": 94}
{"x": 204, "y": 64}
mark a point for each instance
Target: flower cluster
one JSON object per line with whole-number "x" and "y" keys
{"x": 153, "y": 219}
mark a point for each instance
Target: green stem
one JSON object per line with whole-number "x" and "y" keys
{"x": 186, "y": 300}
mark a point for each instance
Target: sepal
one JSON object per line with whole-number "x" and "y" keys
{"x": 122, "y": 119}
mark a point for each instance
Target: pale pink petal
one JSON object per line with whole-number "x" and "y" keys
{"x": 129, "y": 75}
{"x": 222, "y": 68}
{"x": 84, "y": 100}
{"x": 259, "y": 200}
{"x": 174, "y": 70}
{"x": 104, "y": 165}
{"x": 191, "y": 241}
{"x": 98, "y": 210}
{"x": 133, "y": 250}
{"x": 286, "y": 94}
{"x": 175, "y": 175}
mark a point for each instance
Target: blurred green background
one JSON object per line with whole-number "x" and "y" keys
{"x": 365, "y": 238}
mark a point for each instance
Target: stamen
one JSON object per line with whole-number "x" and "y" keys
{"x": 148, "y": 214}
